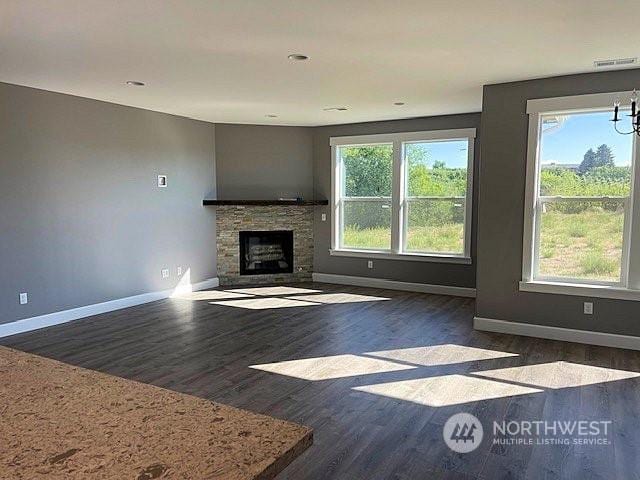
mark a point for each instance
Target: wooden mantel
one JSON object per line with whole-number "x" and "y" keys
{"x": 302, "y": 203}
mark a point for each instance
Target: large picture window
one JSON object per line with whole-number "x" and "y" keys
{"x": 403, "y": 194}
{"x": 580, "y": 196}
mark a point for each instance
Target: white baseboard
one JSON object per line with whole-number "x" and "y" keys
{"x": 56, "y": 318}
{"x": 557, "y": 333}
{"x": 394, "y": 285}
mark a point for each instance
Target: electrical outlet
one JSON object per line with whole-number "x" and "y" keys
{"x": 165, "y": 273}
{"x": 324, "y": 217}
{"x": 588, "y": 308}
{"x": 179, "y": 269}
{"x": 24, "y": 299}
{"x": 369, "y": 263}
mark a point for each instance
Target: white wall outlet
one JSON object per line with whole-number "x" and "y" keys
{"x": 369, "y": 263}
{"x": 588, "y": 308}
{"x": 324, "y": 217}
{"x": 162, "y": 181}
{"x": 24, "y": 299}
{"x": 179, "y": 270}
{"x": 165, "y": 273}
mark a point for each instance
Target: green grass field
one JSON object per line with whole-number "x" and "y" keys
{"x": 442, "y": 239}
{"x": 582, "y": 245}
{"x": 576, "y": 245}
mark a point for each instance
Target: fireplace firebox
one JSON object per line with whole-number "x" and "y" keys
{"x": 266, "y": 252}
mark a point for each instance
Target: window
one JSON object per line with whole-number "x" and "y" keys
{"x": 366, "y": 184}
{"x": 436, "y": 194}
{"x": 404, "y": 194}
{"x": 580, "y": 197}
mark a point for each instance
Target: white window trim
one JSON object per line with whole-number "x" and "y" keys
{"x": 398, "y": 198}
{"x": 580, "y": 290}
{"x": 629, "y": 287}
{"x": 411, "y": 256}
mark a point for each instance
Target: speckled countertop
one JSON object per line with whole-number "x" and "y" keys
{"x": 60, "y": 421}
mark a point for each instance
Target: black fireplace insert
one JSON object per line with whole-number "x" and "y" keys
{"x": 266, "y": 252}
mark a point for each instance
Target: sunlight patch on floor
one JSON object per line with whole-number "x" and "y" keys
{"x": 336, "y": 366}
{"x": 262, "y": 298}
{"x": 263, "y": 303}
{"x": 446, "y": 390}
{"x": 280, "y": 290}
{"x": 556, "y": 375}
{"x": 433, "y": 355}
{"x": 338, "y": 298}
{"x": 209, "y": 295}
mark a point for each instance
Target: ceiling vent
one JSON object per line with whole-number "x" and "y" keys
{"x": 615, "y": 62}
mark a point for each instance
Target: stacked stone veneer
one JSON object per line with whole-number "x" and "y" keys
{"x": 230, "y": 220}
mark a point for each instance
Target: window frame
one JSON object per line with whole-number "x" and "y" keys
{"x": 630, "y": 263}
{"x": 398, "y": 194}
{"x": 340, "y": 199}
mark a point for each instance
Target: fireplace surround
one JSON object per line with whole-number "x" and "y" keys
{"x": 232, "y": 221}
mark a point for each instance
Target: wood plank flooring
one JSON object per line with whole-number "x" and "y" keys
{"x": 376, "y": 373}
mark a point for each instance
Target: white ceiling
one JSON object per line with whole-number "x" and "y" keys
{"x": 226, "y": 61}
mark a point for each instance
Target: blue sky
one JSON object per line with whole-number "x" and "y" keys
{"x": 578, "y": 133}
{"x": 453, "y": 153}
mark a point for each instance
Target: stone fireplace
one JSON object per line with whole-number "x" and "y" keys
{"x": 264, "y": 243}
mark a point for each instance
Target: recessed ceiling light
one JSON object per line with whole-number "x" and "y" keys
{"x": 335, "y": 109}
{"x": 298, "y": 57}
{"x": 615, "y": 62}
{"x": 271, "y": 115}
{"x": 398, "y": 103}
{"x": 135, "y": 83}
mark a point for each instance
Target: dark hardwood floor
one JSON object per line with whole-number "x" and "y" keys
{"x": 376, "y": 400}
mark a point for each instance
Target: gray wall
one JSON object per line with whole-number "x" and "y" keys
{"x": 501, "y": 210}
{"x": 81, "y": 218}
{"x": 263, "y": 162}
{"x": 401, "y": 270}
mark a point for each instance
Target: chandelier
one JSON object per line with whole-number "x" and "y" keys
{"x": 635, "y": 115}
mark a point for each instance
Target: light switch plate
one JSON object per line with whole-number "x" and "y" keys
{"x": 588, "y": 308}
{"x": 24, "y": 299}
{"x": 162, "y": 181}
